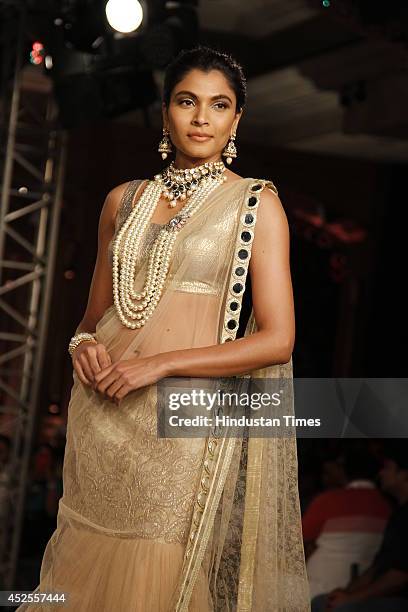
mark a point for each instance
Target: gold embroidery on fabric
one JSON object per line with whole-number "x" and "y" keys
{"x": 153, "y": 484}
{"x": 195, "y": 287}
{"x": 199, "y": 536}
{"x": 232, "y": 309}
{"x": 250, "y": 527}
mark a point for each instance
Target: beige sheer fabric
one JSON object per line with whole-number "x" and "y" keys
{"x": 171, "y": 524}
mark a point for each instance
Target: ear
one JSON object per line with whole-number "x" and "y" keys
{"x": 236, "y": 121}
{"x": 165, "y": 115}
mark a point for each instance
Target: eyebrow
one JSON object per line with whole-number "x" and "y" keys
{"x": 216, "y": 97}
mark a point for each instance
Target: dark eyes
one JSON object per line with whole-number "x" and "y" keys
{"x": 217, "y": 104}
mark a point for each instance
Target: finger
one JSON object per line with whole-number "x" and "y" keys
{"x": 103, "y": 373}
{"x": 123, "y": 391}
{"x": 80, "y": 372}
{"x": 106, "y": 382}
{"x": 83, "y": 360}
{"x": 93, "y": 360}
{"x": 114, "y": 388}
{"x": 103, "y": 357}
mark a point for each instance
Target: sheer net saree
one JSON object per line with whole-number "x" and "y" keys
{"x": 171, "y": 524}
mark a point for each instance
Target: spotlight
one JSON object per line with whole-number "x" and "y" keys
{"x": 37, "y": 53}
{"x": 124, "y": 15}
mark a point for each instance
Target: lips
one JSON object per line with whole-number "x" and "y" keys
{"x": 199, "y": 137}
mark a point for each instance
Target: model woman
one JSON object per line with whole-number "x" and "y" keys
{"x": 150, "y": 524}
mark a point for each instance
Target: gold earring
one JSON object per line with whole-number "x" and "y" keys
{"x": 165, "y": 144}
{"x": 230, "y": 150}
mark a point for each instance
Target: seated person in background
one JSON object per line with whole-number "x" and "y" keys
{"x": 383, "y": 587}
{"x": 343, "y": 527}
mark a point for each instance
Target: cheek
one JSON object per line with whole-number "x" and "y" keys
{"x": 223, "y": 127}
{"x": 178, "y": 136}
{"x": 180, "y": 118}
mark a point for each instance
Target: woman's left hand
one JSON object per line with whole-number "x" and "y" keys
{"x": 121, "y": 377}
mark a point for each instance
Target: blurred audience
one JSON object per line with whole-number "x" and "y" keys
{"x": 383, "y": 586}
{"x": 343, "y": 527}
{"x": 333, "y": 473}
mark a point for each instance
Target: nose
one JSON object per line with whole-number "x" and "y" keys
{"x": 200, "y": 117}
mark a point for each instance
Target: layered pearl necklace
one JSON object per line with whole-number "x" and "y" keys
{"x": 134, "y": 308}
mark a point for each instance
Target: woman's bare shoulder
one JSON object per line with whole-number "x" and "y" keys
{"x": 116, "y": 193}
{"x": 115, "y": 196}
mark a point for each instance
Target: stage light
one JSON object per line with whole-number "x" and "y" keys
{"x": 37, "y": 53}
{"x": 124, "y": 15}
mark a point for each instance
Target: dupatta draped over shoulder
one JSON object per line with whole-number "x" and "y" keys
{"x": 180, "y": 524}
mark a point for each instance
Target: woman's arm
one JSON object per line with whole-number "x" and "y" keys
{"x": 272, "y": 299}
{"x": 90, "y": 357}
{"x": 101, "y": 291}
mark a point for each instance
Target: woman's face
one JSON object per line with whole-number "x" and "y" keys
{"x": 202, "y": 103}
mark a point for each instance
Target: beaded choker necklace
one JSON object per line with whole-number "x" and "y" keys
{"x": 180, "y": 183}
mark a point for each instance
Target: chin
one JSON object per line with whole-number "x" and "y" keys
{"x": 199, "y": 154}
{"x": 193, "y": 145}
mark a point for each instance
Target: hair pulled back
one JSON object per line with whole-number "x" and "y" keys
{"x": 205, "y": 59}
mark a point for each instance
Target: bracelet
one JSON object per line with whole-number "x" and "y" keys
{"x": 76, "y": 340}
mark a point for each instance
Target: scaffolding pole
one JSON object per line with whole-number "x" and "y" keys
{"x": 32, "y": 161}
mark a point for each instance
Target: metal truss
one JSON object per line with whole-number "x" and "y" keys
{"x": 32, "y": 159}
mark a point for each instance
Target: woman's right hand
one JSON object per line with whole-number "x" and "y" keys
{"x": 88, "y": 359}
